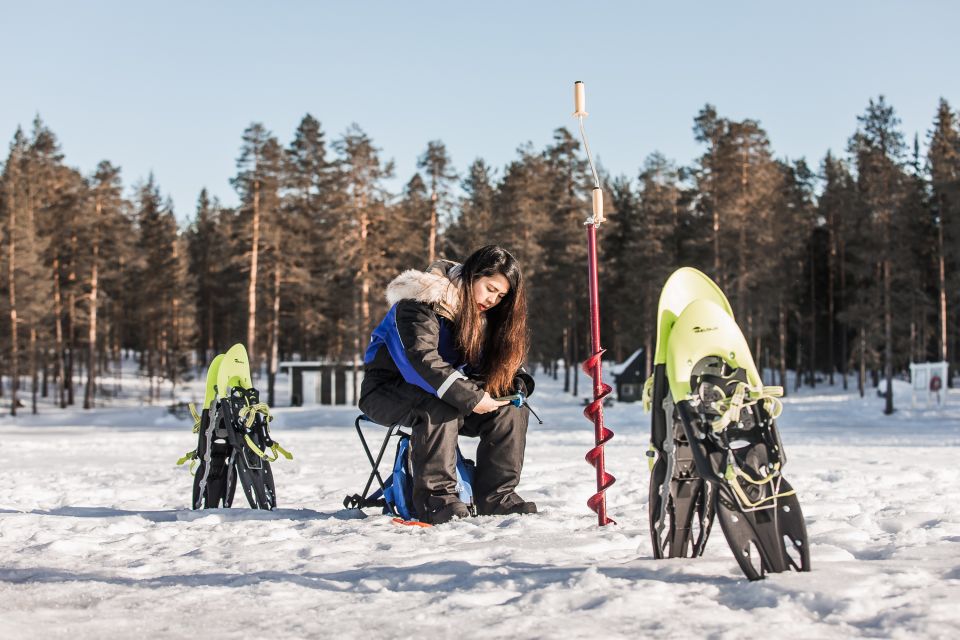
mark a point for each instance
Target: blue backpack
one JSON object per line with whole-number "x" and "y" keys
{"x": 398, "y": 487}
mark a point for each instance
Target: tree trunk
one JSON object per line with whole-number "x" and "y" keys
{"x": 648, "y": 357}
{"x": 252, "y": 284}
{"x": 116, "y": 330}
{"x": 33, "y": 369}
{"x": 799, "y": 375}
{"x": 844, "y": 356}
{"x": 88, "y": 395}
{"x": 716, "y": 244}
{"x": 432, "y": 239}
{"x": 71, "y": 313}
{"x": 173, "y": 356}
{"x": 943, "y": 289}
{"x": 862, "y": 377}
{"x": 742, "y": 240}
{"x": 782, "y": 339}
{"x": 210, "y": 346}
{"x": 831, "y": 307}
{"x": 274, "y": 334}
{"x": 812, "y": 364}
{"x": 363, "y": 318}
{"x": 888, "y": 337}
{"x": 574, "y": 360}
{"x": 12, "y": 288}
{"x": 58, "y": 333}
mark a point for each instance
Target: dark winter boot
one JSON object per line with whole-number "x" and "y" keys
{"x": 510, "y": 504}
{"x": 443, "y": 509}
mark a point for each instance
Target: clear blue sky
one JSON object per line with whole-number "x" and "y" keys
{"x": 170, "y": 86}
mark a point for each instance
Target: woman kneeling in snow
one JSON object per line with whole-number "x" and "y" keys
{"x": 453, "y": 341}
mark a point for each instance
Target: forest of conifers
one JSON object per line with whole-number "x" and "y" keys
{"x": 842, "y": 267}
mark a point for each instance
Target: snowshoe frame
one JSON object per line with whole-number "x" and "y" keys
{"x": 707, "y": 390}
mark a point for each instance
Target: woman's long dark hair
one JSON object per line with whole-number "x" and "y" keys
{"x": 496, "y": 346}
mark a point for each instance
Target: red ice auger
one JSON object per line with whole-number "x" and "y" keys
{"x": 593, "y": 365}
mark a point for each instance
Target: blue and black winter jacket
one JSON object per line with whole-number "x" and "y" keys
{"x": 415, "y": 339}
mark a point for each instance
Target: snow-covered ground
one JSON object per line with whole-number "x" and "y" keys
{"x": 97, "y": 540}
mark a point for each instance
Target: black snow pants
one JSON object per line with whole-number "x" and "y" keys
{"x": 435, "y": 426}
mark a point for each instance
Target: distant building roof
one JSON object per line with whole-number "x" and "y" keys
{"x": 617, "y": 369}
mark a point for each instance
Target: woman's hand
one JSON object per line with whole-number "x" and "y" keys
{"x": 488, "y": 404}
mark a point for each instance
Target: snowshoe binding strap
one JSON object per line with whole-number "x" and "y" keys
{"x": 734, "y": 473}
{"x": 249, "y": 413}
{"x": 196, "y": 417}
{"x": 648, "y": 395}
{"x": 192, "y": 457}
{"x": 743, "y": 396}
{"x": 274, "y": 448}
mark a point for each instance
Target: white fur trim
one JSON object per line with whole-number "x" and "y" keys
{"x": 429, "y": 287}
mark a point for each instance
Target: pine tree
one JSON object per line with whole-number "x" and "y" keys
{"x": 107, "y": 200}
{"x": 915, "y": 257}
{"x": 943, "y": 159}
{"x": 440, "y": 176}
{"x": 258, "y": 182}
{"x": 159, "y": 273}
{"x": 15, "y": 202}
{"x": 521, "y": 214}
{"x": 404, "y": 240}
{"x": 560, "y": 284}
{"x": 313, "y": 195}
{"x": 835, "y": 207}
{"x": 205, "y": 244}
{"x": 878, "y": 148}
{"x": 474, "y": 225}
{"x": 709, "y": 129}
{"x": 656, "y": 245}
{"x": 363, "y": 211}
{"x": 622, "y": 250}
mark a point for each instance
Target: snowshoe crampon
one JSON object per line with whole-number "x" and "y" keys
{"x": 715, "y": 449}
{"x": 234, "y": 438}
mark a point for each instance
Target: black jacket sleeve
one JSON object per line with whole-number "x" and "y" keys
{"x": 419, "y": 331}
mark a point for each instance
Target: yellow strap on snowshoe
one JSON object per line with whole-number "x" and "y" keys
{"x": 257, "y": 450}
{"x": 196, "y": 418}
{"x": 277, "y": 448}
{"x": 729, "y": 408}
{"x": 651, "y": 456}
{"x": 192, "y": 457}
{"x": 648, "y": 395}
{"x": 733, "y": 472}
{"x": 744, "y": 396}
{"x": 771, "y": 400}
{"x": 249, "y": 413}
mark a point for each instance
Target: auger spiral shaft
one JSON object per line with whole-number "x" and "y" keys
{"x": 593, "y": 365}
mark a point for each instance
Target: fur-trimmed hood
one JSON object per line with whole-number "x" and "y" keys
{"x": 438, "y": 286}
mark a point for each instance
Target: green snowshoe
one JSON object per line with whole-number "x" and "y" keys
{"x": 234, "y": 438}
{"x": 715, "y": 448}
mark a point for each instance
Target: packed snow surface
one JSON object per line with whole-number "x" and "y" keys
{"x": 97, "y": 539}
